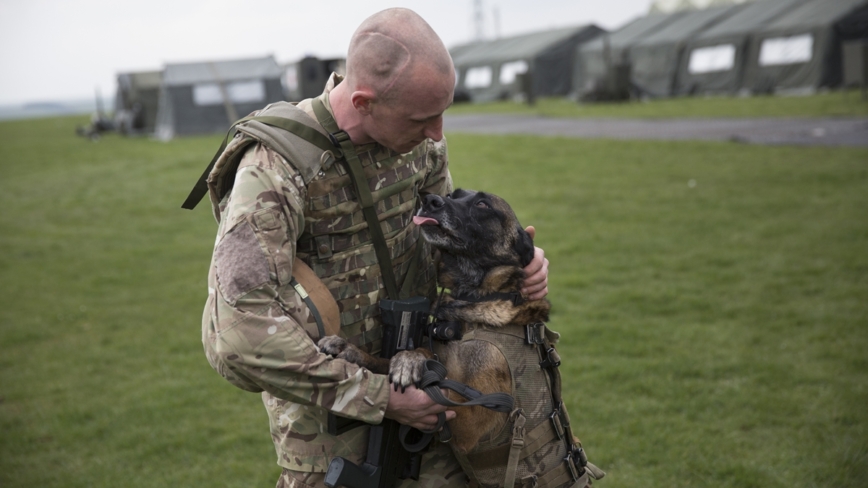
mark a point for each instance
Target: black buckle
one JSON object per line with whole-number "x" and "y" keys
{"x": 555, "y": 417}
{"x": 571, "y": 465}
{"x": 561, "y": 409}
{"x": 552, "y": 360}
{"x": 339, "y": 137}
{"x": 579, "y": 457}
{"x": 535, "y": 333}
{"x": 445, "y": 331}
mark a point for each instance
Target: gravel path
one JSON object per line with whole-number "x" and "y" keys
{"x": 825, "y": 132}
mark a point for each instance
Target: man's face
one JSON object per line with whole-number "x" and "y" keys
{"x": 413, "y": 116}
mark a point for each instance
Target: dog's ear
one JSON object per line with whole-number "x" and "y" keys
{"x": 524, "y": 247}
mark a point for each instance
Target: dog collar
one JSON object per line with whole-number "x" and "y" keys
{"x": 515, "y": 298}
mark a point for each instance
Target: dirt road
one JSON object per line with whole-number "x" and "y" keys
{"x": 826, "y": 132}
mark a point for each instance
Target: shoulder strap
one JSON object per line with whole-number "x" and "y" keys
{"x": 290, "y": 119}
{"x": 360, "y": 183}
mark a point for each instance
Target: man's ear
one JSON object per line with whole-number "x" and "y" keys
{"x": 524, "y": 247}
{"x": 362, "y": 101}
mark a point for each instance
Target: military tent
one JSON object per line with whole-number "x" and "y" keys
{"x": 307, "y": 77}
{"x": 136, "y": 101}
{"x": 714, "y": 60}
{"x": 655, "y": 58}
{"x": 206, "y": 97}
{"x": 535, "y": 64}
{"x": 801, "y": 50}
{"x": 594, "y": 58}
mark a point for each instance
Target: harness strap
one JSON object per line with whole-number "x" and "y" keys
{"x": 559, "y": 475}
{"x": 536, "y": 438}
{"x": 310, "y": 305}
{"x": 576, "y": 461}
{"x": 515, "y": 448}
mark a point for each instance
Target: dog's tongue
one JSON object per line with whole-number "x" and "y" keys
{"x": 424, "y": 220}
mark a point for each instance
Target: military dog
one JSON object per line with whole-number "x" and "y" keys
{"x": 483, "y": 252}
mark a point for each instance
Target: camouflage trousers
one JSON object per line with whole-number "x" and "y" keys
{"x": 439, "y": 469}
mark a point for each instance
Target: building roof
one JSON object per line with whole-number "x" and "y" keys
{"x": 634, "y": 31}
{"x": 816, "y": 13}
{"x": 141, "y": 80}
{"x": 238, "y": 69}
{"x": 748, "y": 19}
{"x": 512, "y": 48}
{"x": 688, "y": 25}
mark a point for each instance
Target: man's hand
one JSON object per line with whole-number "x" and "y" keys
{"x": 536, "y": 284}
{"x": 415, "y": 408}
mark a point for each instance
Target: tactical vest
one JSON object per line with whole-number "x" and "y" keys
{"x": 336, "y": 242}
{"x": 535, "y": 447}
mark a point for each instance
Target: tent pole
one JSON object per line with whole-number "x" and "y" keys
{"x": 231, "y": 114}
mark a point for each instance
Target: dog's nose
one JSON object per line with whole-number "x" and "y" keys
{"x": 433, "y": 202}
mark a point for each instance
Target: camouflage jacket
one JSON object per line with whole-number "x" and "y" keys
{"x": 255, "y": 326}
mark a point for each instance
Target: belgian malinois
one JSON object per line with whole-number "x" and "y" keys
{"x": 483, "y": 252}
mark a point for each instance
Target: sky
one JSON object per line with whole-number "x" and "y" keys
{"x": 56, "y": 50}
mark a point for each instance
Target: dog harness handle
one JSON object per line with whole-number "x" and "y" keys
{"x": 433, "y": 379}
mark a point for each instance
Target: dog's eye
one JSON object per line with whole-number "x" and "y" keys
{"x": 482, "y": 204}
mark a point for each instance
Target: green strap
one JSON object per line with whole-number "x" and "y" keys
{"x": 310, "y": 305}
{"x": 415, "y": 264}
{"x": 307, "y": 133}
{"x": 357, "y": 174}
{"x": 515, "y": 447}
{"x": 293, "y": 126}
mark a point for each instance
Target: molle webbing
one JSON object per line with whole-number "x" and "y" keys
{"x": 360, "y": 183}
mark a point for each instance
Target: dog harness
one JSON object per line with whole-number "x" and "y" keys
{"x": 535, "y": 447}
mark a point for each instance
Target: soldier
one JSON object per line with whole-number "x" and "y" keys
{"x": 399, "y": 81}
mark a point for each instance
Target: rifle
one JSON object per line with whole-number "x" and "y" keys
{"x": 387, "y": 461}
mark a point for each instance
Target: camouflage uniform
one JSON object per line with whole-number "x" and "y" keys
{"x": 255, "y": 326}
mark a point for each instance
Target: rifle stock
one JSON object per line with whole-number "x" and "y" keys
{"x": 344, "y": 473}
{"x": 387, "y": 461}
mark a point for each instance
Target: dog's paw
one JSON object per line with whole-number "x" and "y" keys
{"x": 405, "y": 368}
{"x": 338, "y": 347}
{"x": 332, "y": 345}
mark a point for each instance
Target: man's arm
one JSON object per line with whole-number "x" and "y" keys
{"x": 254, "y": 331}
{"x": 254, "y": 321}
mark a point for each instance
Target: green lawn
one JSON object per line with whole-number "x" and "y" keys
{"x": 832, "y": 104}
{"x": 713, "y": 299}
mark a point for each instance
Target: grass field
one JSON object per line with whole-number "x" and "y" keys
{"x": 831, "y": 104}
{"x": 713, "y": 299}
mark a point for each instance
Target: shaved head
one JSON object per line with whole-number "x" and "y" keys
{"x": 392, "y": 47}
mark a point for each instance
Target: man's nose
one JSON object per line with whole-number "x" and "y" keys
{"x": 434, "y": 130}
